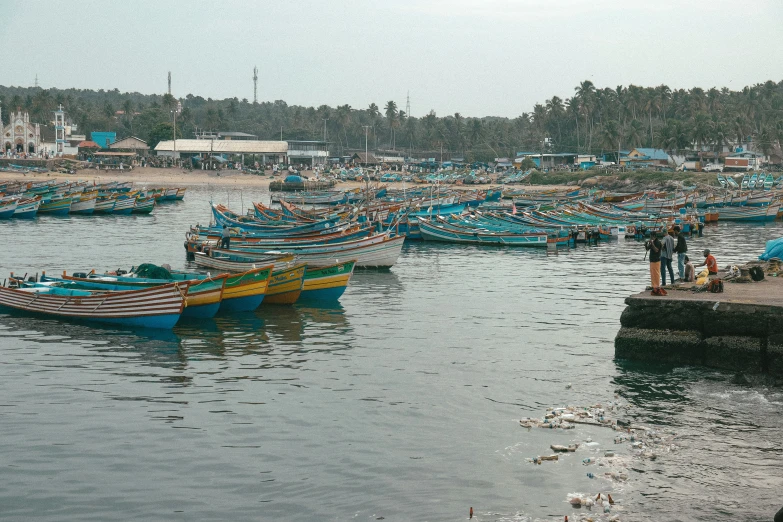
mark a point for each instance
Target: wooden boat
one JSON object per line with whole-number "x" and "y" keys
{"x": 170, "y": 194}
{"x": 105, "y": 205}
{"x": 157, "y": 307}
{"x": 230, "y": 261}
{"x": 285, "y": 285}
{"x": 202, "y": 300}
{"x": 85, "y": 204}
{"x": 245, "y": 291}
{"x": 7, "y": 208}
{"x": 326, "y": 283}
{"x": 58, "y": 206}
{"x": 440, "y": 231}
{"x": 144, "y": 205}
{"x": 752, "y": 214}
{"x": 124, "y": 205}
{"x": 180, "y": 194}
{"x": 27, "y": 209}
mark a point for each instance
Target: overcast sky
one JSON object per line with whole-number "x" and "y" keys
{"x": 476, "y": 57}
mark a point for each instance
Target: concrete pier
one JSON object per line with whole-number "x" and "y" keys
{"x": 740, "y": 329}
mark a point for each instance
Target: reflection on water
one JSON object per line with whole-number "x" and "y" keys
{"x": 399, "y": 402}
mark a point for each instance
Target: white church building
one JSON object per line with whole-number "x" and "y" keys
{"x": 20, "y": 135}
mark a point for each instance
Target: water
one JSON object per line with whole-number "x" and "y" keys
{"x": 400, "y": 402}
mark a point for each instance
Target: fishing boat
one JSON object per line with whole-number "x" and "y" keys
{"x": 57, "y": 206}
{"x": 7, "y": 208}
{"x": 231, "y": 261}
{"x": 27, "y": 209}
{"x": 105, "y": 205}
{"x": 285, "y": 286}
{"x": 753, "y": 180}
{"x": 202, "y": 300}
{"x": 144, "y": 205}
{"x": 327, "y": 283}
{"x": 245, "y": 291}
{"x": 84, "y": 203}
{"x": 432, "y": 230}
{"x": 180, "y": 194}
{"x": 156, "y": 307}
{"x": 124, "y": 205}
{"x": 722, "y": 181}
{"x": 751, "y": 214}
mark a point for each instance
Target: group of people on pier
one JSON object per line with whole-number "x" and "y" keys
{"x": 661, "y": 252}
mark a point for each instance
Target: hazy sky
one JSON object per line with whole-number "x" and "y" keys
{"x": 488, "y": 57}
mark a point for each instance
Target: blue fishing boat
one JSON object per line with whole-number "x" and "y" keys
{"x": 7, "y": 208}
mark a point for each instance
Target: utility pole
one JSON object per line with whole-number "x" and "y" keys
{"x": 366, "y": 128}
{"x": 255, "y": 84}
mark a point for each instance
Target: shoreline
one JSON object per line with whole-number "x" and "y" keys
{"x": 184, "y": 178}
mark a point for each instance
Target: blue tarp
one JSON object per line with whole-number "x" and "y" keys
{"x": 774, "y": 249}
{"x": 294, "y": 179}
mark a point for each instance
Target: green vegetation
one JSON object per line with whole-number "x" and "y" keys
{"x": 594, "y": 120}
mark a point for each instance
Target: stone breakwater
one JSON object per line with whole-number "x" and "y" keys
{"x": 740, "y": 329}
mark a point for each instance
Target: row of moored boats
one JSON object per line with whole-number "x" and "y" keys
{"x": 27, "y": 200}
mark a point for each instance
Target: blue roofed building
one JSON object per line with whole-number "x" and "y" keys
{"x": 103, "y": 139}
{"x": 646, "y": 157}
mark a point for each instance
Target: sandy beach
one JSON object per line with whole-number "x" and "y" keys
{"x": 178, "y": 177}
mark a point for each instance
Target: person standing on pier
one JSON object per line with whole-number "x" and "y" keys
{"x": 681, "y": 248}
{"x": 667, "y": 254}
{"x": 654, "y": 248}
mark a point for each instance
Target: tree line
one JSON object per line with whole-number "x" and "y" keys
{"x": 593, "y": 120}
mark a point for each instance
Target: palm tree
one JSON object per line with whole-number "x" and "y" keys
{"x": 391, "y": 116}
{"x": 127, "y": 109}
{"x": 555, "y": 108}
{"x": 585, "y": 92}
{"x": 701, "y": 131}
{"x": 633, "y": 136}
{"x": 610, "y": 138}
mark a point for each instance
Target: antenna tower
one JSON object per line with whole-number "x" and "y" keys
{"x": 408, "y": 105}
{"x": 169, "y": 82}
{"x": 36, "y": 81}
{"x": 255, "y": 84}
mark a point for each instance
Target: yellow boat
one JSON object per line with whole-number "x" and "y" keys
{"x": 285, "y": 285}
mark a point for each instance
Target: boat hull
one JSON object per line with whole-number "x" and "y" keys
{"x": 285, "y": 286}
{"x": 326, "y": 283}
{"x": 245, "y": 292}
{"x": 158, "y": 307}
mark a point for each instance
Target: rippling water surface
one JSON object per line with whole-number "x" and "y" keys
{"x": 400, "y": 402}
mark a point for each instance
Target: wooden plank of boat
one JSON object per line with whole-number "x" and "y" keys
{"x": 202, "y": 299}
{"x": 157, "y": 307}
{"x": 285, "y": 286}
{"x": 244, "y": 292}
{"x": 326, "y": 283}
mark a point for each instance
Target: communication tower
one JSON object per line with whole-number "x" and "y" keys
{"x": 255, "y": 84}
{"x": 408, "y": 105}
{"x": 169, "y": 82}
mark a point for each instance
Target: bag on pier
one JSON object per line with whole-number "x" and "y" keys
{"x": 715, "y": 286}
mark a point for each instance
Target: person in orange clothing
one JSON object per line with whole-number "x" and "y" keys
{"x": 710, "y": 263}
{"x": 654, "y": 247}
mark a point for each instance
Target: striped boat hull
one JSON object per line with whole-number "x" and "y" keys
{"x": 157, "y": 307}
{"x": 60, "y": 207}
{"x": 124, "y": 206}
